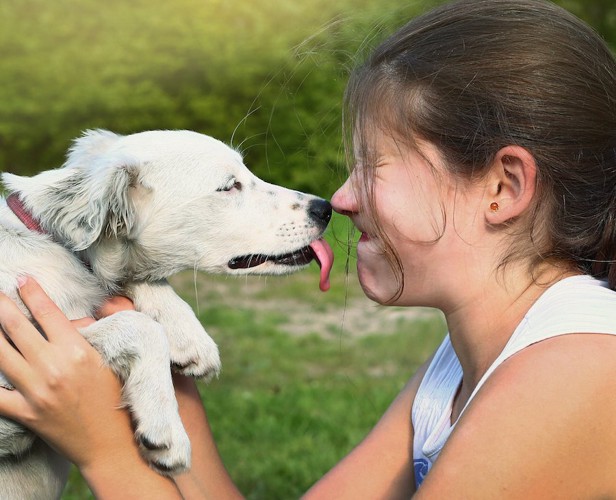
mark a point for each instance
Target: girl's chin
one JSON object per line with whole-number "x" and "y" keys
{"x": 374, "y": 283}
{"x": 373, "y": 293}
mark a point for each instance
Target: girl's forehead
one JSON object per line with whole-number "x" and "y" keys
{"x": 375, "y": 143}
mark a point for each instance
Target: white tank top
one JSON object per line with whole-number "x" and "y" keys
{"x": 579, "y": 304}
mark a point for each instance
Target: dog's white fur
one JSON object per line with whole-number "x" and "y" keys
{"x": 138, "y": 209}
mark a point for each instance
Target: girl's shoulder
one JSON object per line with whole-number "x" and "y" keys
{"x": 578, "y": 304}
{"x": 575, "y": 302}
{"x": 544, "y": 424}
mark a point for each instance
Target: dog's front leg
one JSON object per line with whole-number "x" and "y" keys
{"x": 135, "y": 347}
{"x": 193, "y": 352}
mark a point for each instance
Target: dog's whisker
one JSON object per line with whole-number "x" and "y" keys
{"x": 240, "y": 147}
{"x": 251, "y": 110}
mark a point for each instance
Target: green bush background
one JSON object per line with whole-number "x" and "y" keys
{"x": 266, "y": 77}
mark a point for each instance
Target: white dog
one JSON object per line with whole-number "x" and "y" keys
{"x": 121, "y": 215}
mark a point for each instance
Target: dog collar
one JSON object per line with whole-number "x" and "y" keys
{"x": 16, "y": 205}
{"x": 23, "y": 214}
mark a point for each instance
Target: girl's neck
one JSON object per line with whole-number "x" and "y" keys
{"x": 485, "y": 320}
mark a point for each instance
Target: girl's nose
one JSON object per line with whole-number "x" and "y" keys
{"x": 344, "y": 200}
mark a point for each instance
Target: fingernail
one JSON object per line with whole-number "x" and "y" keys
{"x": 21, "y": 281}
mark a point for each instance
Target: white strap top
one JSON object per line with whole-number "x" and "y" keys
{"x": 579, "y": 304}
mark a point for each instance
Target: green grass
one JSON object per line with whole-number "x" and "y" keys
{"x": 292, "y": 402}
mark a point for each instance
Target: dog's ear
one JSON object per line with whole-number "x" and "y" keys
{"x": 89, "y": 197}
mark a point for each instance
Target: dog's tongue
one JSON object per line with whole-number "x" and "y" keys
{"x": 325, "y": 258}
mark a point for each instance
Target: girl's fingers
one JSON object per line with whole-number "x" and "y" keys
{"x": 12, "y": 404}
{"x": 20, "y": 330}
{"x": 83, "y": 322}
{"x": 52, "y": 320}
{"x": 14, "y": 366}
{"x": 113, "y": 305}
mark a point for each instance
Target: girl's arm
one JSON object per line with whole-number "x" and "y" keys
{"x": 381, "y": 466}
{"x": 207, "y": 477}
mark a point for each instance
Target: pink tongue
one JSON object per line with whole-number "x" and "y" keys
{"x": 325, "y": 258}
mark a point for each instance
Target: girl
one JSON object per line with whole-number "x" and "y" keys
{"x": 483, "y": 184}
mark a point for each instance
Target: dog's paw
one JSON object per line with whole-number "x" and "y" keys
{"x": 199, "y": 358}
{"x": 164, "y": 444}
{"x": 192, "y": 350}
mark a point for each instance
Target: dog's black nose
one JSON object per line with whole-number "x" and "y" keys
{"x": 320, "y": 211}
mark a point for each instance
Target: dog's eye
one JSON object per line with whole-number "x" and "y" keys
{"x": 231, "y": 185}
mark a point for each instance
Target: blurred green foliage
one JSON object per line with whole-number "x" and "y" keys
{"x": 267, "y": 77}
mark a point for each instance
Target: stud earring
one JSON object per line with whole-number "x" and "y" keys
{"x": 494, "y": 206}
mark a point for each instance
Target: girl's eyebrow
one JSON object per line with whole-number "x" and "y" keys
{"x": 380, "y": 160}
{"x": 375, "y": 161}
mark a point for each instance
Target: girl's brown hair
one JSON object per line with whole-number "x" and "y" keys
{"x": 474, "y": 76}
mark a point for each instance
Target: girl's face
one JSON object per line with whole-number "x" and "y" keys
{"x": 414, "y": 199}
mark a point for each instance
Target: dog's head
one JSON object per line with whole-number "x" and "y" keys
{"x": 169, "y": 200}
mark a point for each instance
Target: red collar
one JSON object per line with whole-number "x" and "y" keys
{"x": 18, "y": 208}
{"x": 23, "y": 214}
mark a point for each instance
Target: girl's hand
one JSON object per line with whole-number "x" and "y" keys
{"x": 65, "y": 394}
{"x": 62, "y": 390}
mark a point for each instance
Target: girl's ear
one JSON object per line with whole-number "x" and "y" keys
{"x": 511, "y": 184}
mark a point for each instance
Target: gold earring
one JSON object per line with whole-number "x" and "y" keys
{"x": 494, "y": 206}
